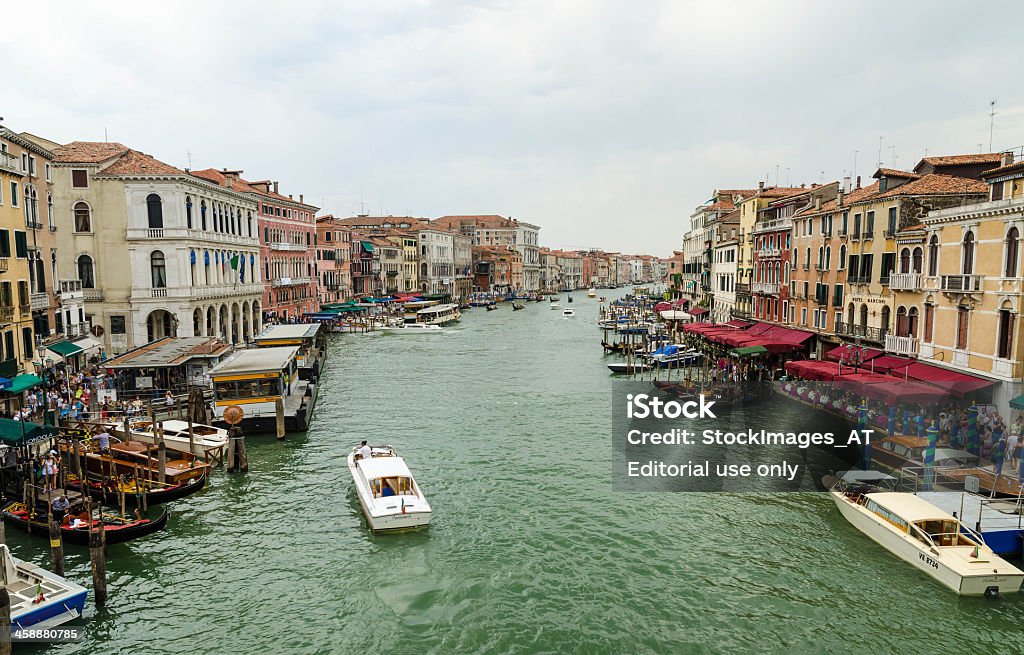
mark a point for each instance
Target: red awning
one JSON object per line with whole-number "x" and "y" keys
{"x": 889, "y": 363}
{"x": 758, "y": 328}
{"x": 841, "y": 352}
{"x": 698, "y": 311}
{"x": 911, "y": 392}
{"x": 739, "y": 324}
{"x": 951, "y": 381}
{"x": 813, "y": 370}
{"x": 794, "y": 337}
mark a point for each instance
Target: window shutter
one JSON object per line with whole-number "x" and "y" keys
{"x": 20, "y": 244}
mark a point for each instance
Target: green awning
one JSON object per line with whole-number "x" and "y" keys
{"x": 1018, "y": 402}
{"x": 367, "y": 246}
{"x": 12, "y": 432}
{"x": 65, "y": 348}
{"x": 23, "y": 382}
{"x": 749, "y": 351}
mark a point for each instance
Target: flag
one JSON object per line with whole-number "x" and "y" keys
{"x": 234, "y": 263}
{"x": 975, "y": 553}
{"x": 403, "y": 506}
{"x": 39, "y": 594}
{"x": 241, "y": 271}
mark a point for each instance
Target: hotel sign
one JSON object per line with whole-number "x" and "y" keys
{"x": 868, "y": 300}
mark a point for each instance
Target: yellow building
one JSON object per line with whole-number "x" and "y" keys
{"x": 973, "y": 286}
{"x": 27, "y": 251}
{"x": 748, "y": 204}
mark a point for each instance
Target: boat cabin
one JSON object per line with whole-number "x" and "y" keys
{"x": 255, "y": 379}
{"x": 307, "y": 337}
{"x": 439, "y": 314}
{"x": 921, "y": 520}
{"x": 905, "y": 446}
{"x": 388, "y": 476}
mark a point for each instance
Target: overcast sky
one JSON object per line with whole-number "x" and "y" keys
{"x": 604, "y": 122}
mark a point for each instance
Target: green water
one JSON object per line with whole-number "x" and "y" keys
{"x": 505, "y": 421}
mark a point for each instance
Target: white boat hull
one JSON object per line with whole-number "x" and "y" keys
{"x": 408, "y": 511}
{"x": 921, "y": 557}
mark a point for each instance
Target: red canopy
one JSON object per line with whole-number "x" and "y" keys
{"x": 889, "y": 363}
{"x": 758, "y": 328}
{"x": 841, "y": 352}
{"x": 813, "y": 370}
{"x": 663, "y": 307}
{"x": 739, "y": 324}
{"x": 913, "y": 392}
{"x": 698, "y": 311}
{"x": 942, "y": 378}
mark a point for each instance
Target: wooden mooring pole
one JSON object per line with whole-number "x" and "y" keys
{"x": 56, "y": 547}
{"x": 97, "y": 556}
{"x": 5, "y": 621}
{"x": 279, "y": 411}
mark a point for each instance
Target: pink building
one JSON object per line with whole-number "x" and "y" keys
{"x": 287, "y": 230}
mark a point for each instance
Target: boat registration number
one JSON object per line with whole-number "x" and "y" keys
{"x": 928, "y": 560}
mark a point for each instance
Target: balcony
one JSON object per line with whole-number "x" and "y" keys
{"x": 858, "y": 279}
{"x": 71, "y": 290}
{"x": 769, "y": 253}
{"x": 4, "y": 263}
{"x": 287, "y": 247}
{"x": 39, "y": 301}
{"x": 158, "y": 293}
{"x": 92, "y": 295}
{"x": 872, "y": 334}
{"x": 902, "y": 345}
{"x": 10, "y": 163}
{"x": 961, "y": 283}
{"x": 775, "y": 225}
{"x": 766, "y": 288}
{"x": 742, "y": 289}
{"x": 289, "y": 281}
{"x": 6, "y": 313}
{"x": 32, "y": 225}
{"x": 889, "y": 234}
{"x": 868, "y": 234}
{"x": 905, "y": 281}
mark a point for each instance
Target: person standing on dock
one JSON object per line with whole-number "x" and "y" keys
{"x": 364, "y": 451}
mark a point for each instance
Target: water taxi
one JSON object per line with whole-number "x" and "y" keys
{"x": 307, "y": 337}
{"x": 202, "y": 440}
{"x": 390, "y": 498}
{"x": 927, "y": 537}
{"x": 568, "y": 312}
{"x": 413, "y": 328}
{"x": 39, "y": 598}
{"x": 554, "y": 304}
{"x": 255, "y": 380}
{"x": 439, "y": 314}
{"x": 592, "y": 292}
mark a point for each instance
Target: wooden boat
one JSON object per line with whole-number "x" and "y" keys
{"x": 623, "y": 367}
{"x": 111, "y": 489}
{"x": 516, "y": 306}
{"x": 39, "y": 598}
{"x": 491, "y": 307}
{"x": 390, "y": 498}
{"x": 204, "y": 438}
{"x": 118, "y": 529}
{"x": 928, "y": 538}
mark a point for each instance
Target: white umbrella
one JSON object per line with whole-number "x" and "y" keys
{"x": 675, "y": 315}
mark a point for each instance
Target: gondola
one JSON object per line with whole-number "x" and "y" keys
{"x": 491, "y": 307}
{"x": 516, "y": 306}
{"x": 117, "y": 529}
{"x": 107, "y": 490}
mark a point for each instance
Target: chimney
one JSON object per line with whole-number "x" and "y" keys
{"x": 858, "y": 181}
{"x": 289, "y": 196}
{"x": 1006, "y": 159}
{"x": 275, "y": 187}
{"x": 760, "y": 185}
{"x": 846, "y": 184}
{"x": 817, "y": 203}
{"x": 301, "y": 198}
{"x": 840, "y": 198}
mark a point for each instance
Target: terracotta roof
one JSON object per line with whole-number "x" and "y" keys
{"x": 1004, "y": 170}
{"x": 893, "y": 172}
{"x": 483, "y": 220}
{"x": 781, "y": 191}
{"x": 88, "y": 152}
{"x": 960, "y": 160}
{"x": 722, "y": 204}
{"x": 936, "y": 184}
{"x": 134, "y": 162}
{"x": 245, "y": 186}
{"x": 379, "y": 221}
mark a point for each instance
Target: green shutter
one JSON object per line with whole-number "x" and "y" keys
{"x": 20, "y": 244}
{"x": 5, "y": 243}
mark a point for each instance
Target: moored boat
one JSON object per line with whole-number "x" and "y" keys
{"x": 388, "y": 494}
{"x": 38, "y": 597}
{"x": 568, "y": 312}
{"x": 928, "y": 538}
{"x": 623, "y": 367}
{"x": 74, "y": 529}
{"x": 439, "y": 314}
{"x": 413, "y": 328}
{"x": 204, "y": 438}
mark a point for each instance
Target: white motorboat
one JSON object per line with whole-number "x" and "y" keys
{"x": 413, "y": 328}
{"x": 554, "y": 305}
{"x": 672, "y": 355}
{"x": 439, "y": 314}
{"x": 390, "y": 498}
{"x": 623, "y": 367}
{"x": 204, "y": 437}
{"x": 568, "y": 312}
{"x": 39, "y": 599}
{"x": 592, "y": 293}
{"x": 925, "y": 536}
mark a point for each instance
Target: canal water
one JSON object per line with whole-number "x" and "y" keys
{"x": 505, "y": 420}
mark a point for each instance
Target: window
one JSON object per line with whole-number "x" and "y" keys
{"x": 23, "y": 295}
{"x": 158, "y": 268}
{"x": 5, "y": 243}
{"x": 50, "y": 217}
{"x": 963, "y": 316}
{"x": 918, "y": 260}
{"x": 202, "y": 213}
{"x": 892, "y": 220}
{"x": 888, "y": 266}
{"x": 85, "y": 272}
{"x": 83, "y": 217}
{"x": 968, "y": 254}
{"x": 154, "y": 211}
{"x": 1005, "y": 345}
{"x": 997, "y": 191}
{"x": 933, "y": 256}
{"x": 14, "y": 194}
{"x": 49, "y": 172}
{"x": 929, "y": 322}
{"x": 885, "y": 318}
{"x": 905, "y": 260}
{"x": 1012, "y": 248}
{"x": 188, "y": 212}
{"x": 869, "y": 227}
{"x": 79, "y": 178}
{"x": 842, "y": 257}
{"x": 20, "y": 245}
{"x": 117, "y": 325}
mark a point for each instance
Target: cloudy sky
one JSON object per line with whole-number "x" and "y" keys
{"x": 604, "y": 122}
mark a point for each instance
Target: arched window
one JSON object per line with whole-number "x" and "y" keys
{"x": 912, "y": 317}
{"x": 155, "y": 211}
{"x": 51, "y": 219}
{"x": 807, "y": 259}
{"x": 85, "y": 272}
{"x": 918, "y": 260}
{"x": 968, "y": 254}
{"x": 249, "y": 219}
{"x": 266, "y": 235}
{"x": 202, "y": 214}
{"x": 83, "y": 217}
{"x": 850, "y": 311}
{"x": 158, "y": 269}
{"x": 902, "y": 324}
{"x": 933, "y": 256}
{"x": 864, "y": 316}
{"x": 842, "y": 257}
{"x": 885, "y": 318}
{"x": 1012, "y": 254}
{"x": 188, "y": 214}
{"x": 821, "y": 257}
{"x": 905, "y": 260}
{"x": 828, "y": 258}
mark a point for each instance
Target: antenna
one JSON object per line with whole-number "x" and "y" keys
{"x": 106, "y": 139}
{"x": 991, "y": 122}
{"x": 893, "y": 150}
{"x": 188, "y": 154}
{"x": 787, "y": 176}
{"x": 880, "y": 151}
{"x": 853, "y": 173}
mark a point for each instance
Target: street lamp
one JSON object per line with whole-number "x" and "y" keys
{"x": 856, "y": 354}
